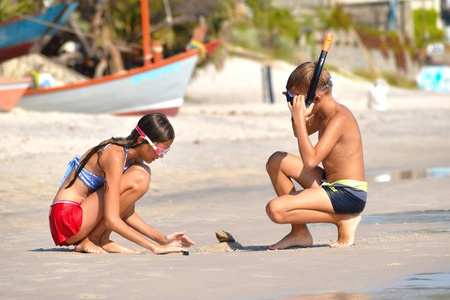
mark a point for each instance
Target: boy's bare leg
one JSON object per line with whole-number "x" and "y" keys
{"x": 310, "y": 206}
{"x": 301, "y": 237}
{"x": 346, "y": 231}
{"x": 281, "y": 167}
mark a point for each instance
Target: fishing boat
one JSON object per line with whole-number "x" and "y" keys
{"x": 157, "y": 86}
{"x": 11, "y": 90}
{"x": 29, "y": 34}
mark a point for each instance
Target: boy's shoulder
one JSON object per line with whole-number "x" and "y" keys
{"x": 342, "y": 118}
{"x": 344, "y": 112}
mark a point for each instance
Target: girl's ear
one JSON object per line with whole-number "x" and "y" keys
{"x": 140, "y": 140}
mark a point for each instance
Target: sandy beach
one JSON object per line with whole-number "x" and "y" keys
{"x": 214, "y": 178}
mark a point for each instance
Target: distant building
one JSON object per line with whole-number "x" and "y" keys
{"x": 381, "y": 14}
{"x": 446, "y": 18}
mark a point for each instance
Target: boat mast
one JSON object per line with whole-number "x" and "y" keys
{"x": 145, "y": 20}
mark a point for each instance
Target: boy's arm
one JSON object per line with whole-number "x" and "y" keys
{"x": 312, "y": 125}
{"x": 311, "y": 155}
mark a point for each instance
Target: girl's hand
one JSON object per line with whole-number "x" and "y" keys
{"x": 178, "y": 239}
{"x": 298, "y": 108}
{"x": 164, "y": 249}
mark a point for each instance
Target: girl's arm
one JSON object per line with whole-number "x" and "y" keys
{"x": 174, "y": 239}
{"x": 112, "y": 160}
{"x": 136, "y": 222}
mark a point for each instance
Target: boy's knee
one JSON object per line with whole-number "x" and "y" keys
{"x": 273, "y": 212}
{"x": 274, "y": 161}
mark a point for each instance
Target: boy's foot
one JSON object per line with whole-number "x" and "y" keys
{"x": 294, "y": 239}
{"x": 113, "y": 247}
{"x": 346, "y": 232}
{"x": 87, "y": 246}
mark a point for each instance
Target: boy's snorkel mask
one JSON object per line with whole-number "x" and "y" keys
{"x": 317, "y": 71}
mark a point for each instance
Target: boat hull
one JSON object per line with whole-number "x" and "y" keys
{"x": 20, "y": 36}
{"x": 157, "y": 88}
{"x": 11, "y": 90}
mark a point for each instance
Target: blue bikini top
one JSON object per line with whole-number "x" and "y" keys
{"x": 92, "y": 181}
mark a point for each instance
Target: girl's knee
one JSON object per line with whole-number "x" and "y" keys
{"x": 139, "y": 179}
{"x": 141, "y": 183}
{"x": 274, "y": 161}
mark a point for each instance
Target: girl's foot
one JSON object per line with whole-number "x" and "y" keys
{"x": 87, "y": 246}
{"x": 113, "y": 247}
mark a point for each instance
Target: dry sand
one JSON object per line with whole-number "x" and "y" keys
{"x": 214, "y": 179}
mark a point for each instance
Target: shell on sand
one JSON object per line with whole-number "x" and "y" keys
{"x": 224, "y": 236}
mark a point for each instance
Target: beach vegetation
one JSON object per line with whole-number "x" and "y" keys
{"x": 258, "y": 26}
{"x": 112, "y": 29}
{"x": 425, "y": 28}
{"x": 388, "y": 43}
{"x": 12, "y": 8}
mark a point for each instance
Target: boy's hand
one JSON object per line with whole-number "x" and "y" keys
{"x": 298, "y": 108}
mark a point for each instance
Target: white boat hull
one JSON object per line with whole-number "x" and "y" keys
{"x": 160, "y": 87}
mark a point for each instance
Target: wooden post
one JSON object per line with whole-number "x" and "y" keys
{"x": 145, "y": 20}
{"x": 157, "y": 50}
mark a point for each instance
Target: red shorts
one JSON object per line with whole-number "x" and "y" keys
{"x": 65, "y": 219}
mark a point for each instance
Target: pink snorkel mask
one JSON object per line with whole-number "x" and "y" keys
{"x": 158, "y": 149}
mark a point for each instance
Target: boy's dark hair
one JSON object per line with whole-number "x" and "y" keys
{"x": 156, "y": 126}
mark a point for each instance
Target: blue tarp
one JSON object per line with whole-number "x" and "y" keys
{"x": 434, "y": 78}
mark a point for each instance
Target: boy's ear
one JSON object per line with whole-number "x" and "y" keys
{"x": 317, "y": 98}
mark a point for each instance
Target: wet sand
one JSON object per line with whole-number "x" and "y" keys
{"x": 214, "y": 179}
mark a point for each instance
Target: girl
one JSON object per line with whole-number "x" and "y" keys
{"x": 100, "y": 188}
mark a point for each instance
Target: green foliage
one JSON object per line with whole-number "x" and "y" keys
{"x": 125, "y": 18}
{"x": 372, "y": 38}
{"x": 270, "y": 18}
{"x": 284, "y": 47}
{"x": 246, "y": 37}
{"x": 425, "y": 28}
{"x": 392, "y": 79}
{"x": 11, "y": 8}
{"x": 335, "y": 18}
{"x": 273, "y": 31}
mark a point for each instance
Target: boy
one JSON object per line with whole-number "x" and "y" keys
{"x": 342, "y": 196}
